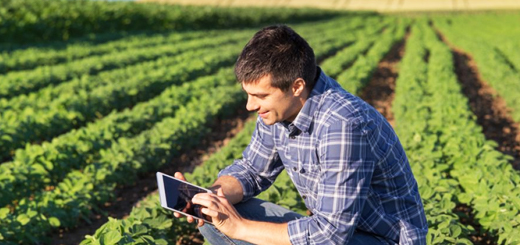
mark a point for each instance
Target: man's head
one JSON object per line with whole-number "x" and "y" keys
{"x": 277, "y": 68}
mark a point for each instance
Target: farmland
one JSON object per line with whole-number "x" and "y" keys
{"x": 96, "y": 97}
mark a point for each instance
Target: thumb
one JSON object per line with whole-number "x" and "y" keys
{"x": 179, "y": 175}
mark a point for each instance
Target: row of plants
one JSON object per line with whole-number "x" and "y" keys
{"x": 497, "y": 30}
{"x": 102, "y": 101}
{"x": 343, "y": 59}
{"x": 76, "y": 109}
{"x": 33, "y": 56}
{"x": 29, "y": 21}
{"x": 348, "y": 55}
{"x": 340, "y": 37}
{"x": 47, "y": 164}
{"x": 21, "y": 82}
{"x": 455, "y": 166}
{"x": 357, "y": 76}
{"x": 150, "y": 223}
{"x": 412, "y": 108}
{"x": 84, "y": 191}
{"x": 492, "y": 59}
{"x": 489, "y": 184}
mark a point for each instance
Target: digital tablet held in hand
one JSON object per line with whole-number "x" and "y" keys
{"x": 176, "y": 195}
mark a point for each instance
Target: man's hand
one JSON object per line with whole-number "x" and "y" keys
{"x": 223, "y": 215}
{"x": 190, "y": 219}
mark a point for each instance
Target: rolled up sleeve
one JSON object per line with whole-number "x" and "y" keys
{"x": 260, "y": 163}
{"x": 342, "y": 187}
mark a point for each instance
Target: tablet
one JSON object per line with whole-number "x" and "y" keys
{"x": 176, "y": 195}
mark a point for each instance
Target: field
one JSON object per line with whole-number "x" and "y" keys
{"x": 96, "y": 97}
{"x": 374, "y": 5}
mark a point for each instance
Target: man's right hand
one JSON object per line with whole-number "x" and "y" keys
{"x": 190, "y": 219}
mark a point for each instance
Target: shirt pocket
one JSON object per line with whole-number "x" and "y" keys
{"x": 310, "y": 170}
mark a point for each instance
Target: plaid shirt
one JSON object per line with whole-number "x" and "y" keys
{"x": 347, "y": 164}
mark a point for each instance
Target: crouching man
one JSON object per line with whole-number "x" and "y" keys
{"x": 342, "y": 155}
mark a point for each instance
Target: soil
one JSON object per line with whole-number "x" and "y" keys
{"x": 491, "y": 110}
{"x": 467, "y": 216}
{"x": 129, "y": 196}
{"x": 380, "y": 90}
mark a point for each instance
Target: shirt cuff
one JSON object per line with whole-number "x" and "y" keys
{"x": 298, "y": 230}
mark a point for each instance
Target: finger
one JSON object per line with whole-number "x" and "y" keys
{"x": 212, "y": 213}
{"x": 200, "y": 223}
{"x": 220, "y": 192}
{"x": 179, "y": 175}
{"x": 210, "y": 201}
{"x": 177, "y": 215}
{"x": 190, "y": 219}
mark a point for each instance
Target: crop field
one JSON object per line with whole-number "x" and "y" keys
{"x": 374, "y": 5}
{"x": 95, "y": 97}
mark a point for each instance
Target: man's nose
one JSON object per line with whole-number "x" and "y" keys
{"x": 251, "y": 104}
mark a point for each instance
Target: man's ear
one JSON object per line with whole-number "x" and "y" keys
{"x": 298, "y": 86}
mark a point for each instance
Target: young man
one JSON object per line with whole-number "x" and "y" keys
{"x": 342, "y": 155}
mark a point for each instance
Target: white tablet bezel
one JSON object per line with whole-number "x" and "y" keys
{"x": 162, "y": 195}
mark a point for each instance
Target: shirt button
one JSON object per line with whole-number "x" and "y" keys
{"x": 295, "y": 168}
{"x": 304, "y": 197}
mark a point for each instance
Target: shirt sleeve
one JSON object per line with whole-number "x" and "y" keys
{"x": 343, "y": 185}
{"x": 260, "y": 163}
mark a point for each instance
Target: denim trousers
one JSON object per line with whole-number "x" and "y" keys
{"x": 259, "y": 210}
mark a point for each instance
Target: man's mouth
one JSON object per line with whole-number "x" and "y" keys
{"x": 263, "y": 114}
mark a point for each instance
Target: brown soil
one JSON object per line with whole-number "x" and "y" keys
{"x": 380, "y": 91}
{"x": 129, "y": 196}
{"x": 490, "y": 109}
{"x": 467, "y": 216}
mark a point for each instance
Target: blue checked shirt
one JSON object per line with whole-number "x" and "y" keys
{"x": 347, "y": 164}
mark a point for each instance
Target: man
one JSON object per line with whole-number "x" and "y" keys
{"x": 342, "y": 155}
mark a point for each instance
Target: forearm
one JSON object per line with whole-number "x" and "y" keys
{"x": 258, "y": 232}
{"x": 231, "y": 187}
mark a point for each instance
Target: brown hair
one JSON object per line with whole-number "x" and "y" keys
{"x": 277, "y": 50}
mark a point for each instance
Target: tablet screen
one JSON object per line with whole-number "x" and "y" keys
{"x": 178, "y": 196}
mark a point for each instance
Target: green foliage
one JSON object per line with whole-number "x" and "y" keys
{"x": 451, "y": 159}
{"x": 418, "y": 128}
{"x": 85, "y": 99}
{"x": 491, "y": 41}
{"x": 47, "y": 164}
{"x": 29, "y": 21}
{"x": 357, "y": 76}
{"x": 82, "y": 191}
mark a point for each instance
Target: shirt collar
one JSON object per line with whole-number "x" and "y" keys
{"x": 304, "y": 118}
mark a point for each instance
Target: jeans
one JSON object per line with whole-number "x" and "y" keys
{"x": 259, "y": 210}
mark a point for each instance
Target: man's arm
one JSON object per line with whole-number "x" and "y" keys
{"x": 231, "y": 188}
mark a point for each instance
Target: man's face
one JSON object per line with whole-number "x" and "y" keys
{"x": 272, "y": 104}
